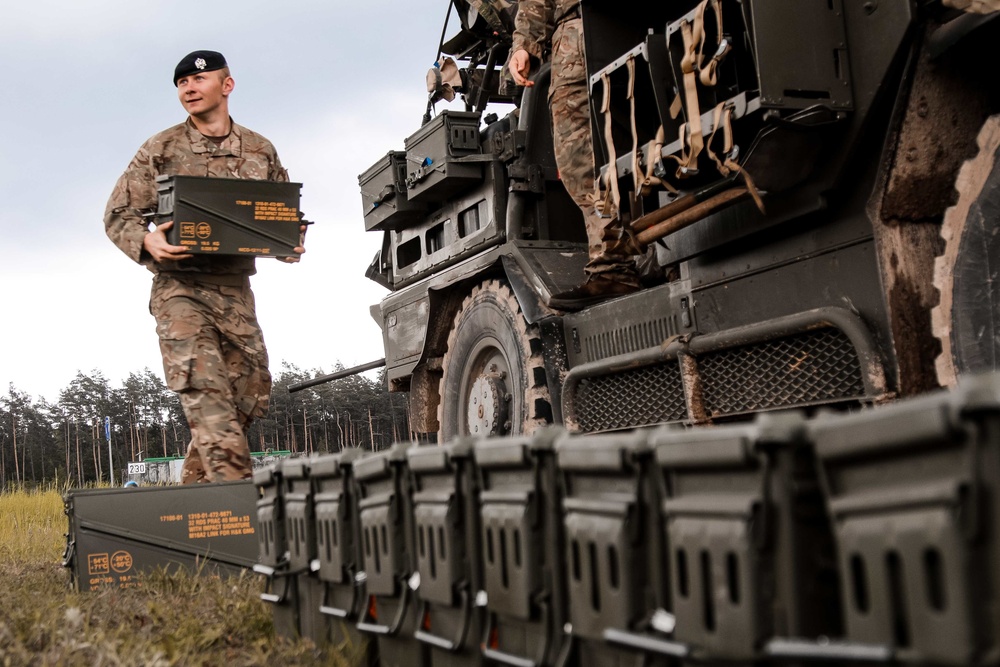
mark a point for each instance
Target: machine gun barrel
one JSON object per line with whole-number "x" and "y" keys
{"x": 347, "y": 372}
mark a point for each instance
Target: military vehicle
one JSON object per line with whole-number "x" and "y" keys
{"x": 810, "y": 187}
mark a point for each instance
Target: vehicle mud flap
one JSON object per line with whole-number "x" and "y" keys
{"x": 338, "y": 560}
{"x": 447, "y": 553}
{"x": 387, "y": 537}
{"x": 612, "y": 545}
{"x": 524, "y": 587}
{"x": 747, "y": 537}
{"x": 913, "y": 489}
{"x": 280, "y": 585}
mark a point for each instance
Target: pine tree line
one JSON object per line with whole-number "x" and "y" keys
{"x": 64, "y": 442}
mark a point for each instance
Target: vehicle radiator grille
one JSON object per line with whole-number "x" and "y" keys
{"x": 638, "y": 397}
{"x": 805, "y": 368}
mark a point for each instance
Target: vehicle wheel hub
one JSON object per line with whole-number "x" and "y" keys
{"x": 488, "y": 400}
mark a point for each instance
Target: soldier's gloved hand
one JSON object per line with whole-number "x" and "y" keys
{"x": 520, "y": 68}
{"x": 156, "y": 244}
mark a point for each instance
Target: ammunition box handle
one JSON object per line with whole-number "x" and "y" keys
{"x": 388, "y": 192}
{"x": 397, "y": 622}
{"x": 271, "y": 575}
{"x": 448, "y": 644}
{"x": 646, "y": 643}
{"x": 515, "y": 660}
{"x": 325, "y": 608}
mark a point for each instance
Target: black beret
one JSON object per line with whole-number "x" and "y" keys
{"x": 199, "y": 61}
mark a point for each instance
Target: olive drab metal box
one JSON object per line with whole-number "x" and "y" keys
{"x": 913, "y": 490}
{"x": 449, "y": 561}
{"x": 385, "y": 202}
{"x": 300, "y": 529}
{"x": 229, "y": 216}
{"x": 387, "y": 535}
{"x": 117, "y": 535}
{"x": 338, "y": 561}
{"x": 522, "y": 548}
{"x": 612, "y": 541}
{"x": 280, "y": 588}
{"x": 749, "y": 546}
{"x": 443, "y": 157}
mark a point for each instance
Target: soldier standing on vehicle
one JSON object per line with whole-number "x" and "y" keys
{"x": 212, "y": 346}
{"x": 554, "y": 26}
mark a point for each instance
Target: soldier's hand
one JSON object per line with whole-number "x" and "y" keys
{"x": 156, "y": 244}
{"x": 300, "y": 249}
{"x": 520, "y": 68}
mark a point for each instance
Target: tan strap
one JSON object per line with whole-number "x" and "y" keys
{"x": 649, "y": 180}
{"x": 630, "y": 94}
{"x": 692, "y": 141}
{"x": 723, "y": 116}
{"x": 707, "y": 73}
{"x": 612, "y": 198}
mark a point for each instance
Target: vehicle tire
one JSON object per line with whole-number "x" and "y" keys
{"x": 967, "y": 274}
{"x": 493, "y": 376}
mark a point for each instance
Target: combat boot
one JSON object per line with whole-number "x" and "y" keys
{"x": 597, "y": 288}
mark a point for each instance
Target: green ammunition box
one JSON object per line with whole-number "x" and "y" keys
{"x": 117, "y": 535}
{"x": 443, "y": 157}
{"x": 228, "y": 216}
{"x": 384, "y": 198}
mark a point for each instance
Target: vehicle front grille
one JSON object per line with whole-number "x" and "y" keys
{"x": 806, "y": 368}
{"x": 638, "y": 397}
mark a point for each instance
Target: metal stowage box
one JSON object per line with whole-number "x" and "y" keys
{"x": 384, "y": 200}
{"x": 228, "y": 216}
{"x": 441, "y": 157}
{"x": 203, "y": 528}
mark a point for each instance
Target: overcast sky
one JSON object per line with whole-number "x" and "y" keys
{"x": 333, "y": 84}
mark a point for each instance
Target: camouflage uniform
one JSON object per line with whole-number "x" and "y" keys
{"x": 975, "y": 6}
{"x": 213, "y": 349}
{"x": 540, "y": 23}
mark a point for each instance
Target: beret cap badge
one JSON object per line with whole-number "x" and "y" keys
{"x": 199, "y": 61}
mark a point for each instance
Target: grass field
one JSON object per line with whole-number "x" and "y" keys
{"x": 178, "y": 620}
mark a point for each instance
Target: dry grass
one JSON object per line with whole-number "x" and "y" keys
{"x": 171, "y": 620}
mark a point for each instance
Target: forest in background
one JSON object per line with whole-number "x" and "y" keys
{"x": 64, "y": 442}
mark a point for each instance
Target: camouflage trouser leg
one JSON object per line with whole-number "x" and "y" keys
{"x": 214, "y": 357}
{"x": 574, "y": 152}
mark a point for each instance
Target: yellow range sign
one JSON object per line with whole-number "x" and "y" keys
{"x": 203, "y": 525}
{"x": 271, "y": 211}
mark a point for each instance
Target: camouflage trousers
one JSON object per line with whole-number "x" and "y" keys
{"x": 574, "y": 151}
{"x": 214, "y": 358}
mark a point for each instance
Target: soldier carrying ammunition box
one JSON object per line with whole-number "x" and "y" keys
{"x": 213, "y": 349}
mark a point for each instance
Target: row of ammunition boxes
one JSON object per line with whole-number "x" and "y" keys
{"x": 441, "y": 159}
{"x": 868, "y": 537}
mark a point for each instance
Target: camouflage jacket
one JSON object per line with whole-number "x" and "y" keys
{"x": 182, "y": 151}
{"x": 535, "y": 23}
{"x": 975, "y": 6}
